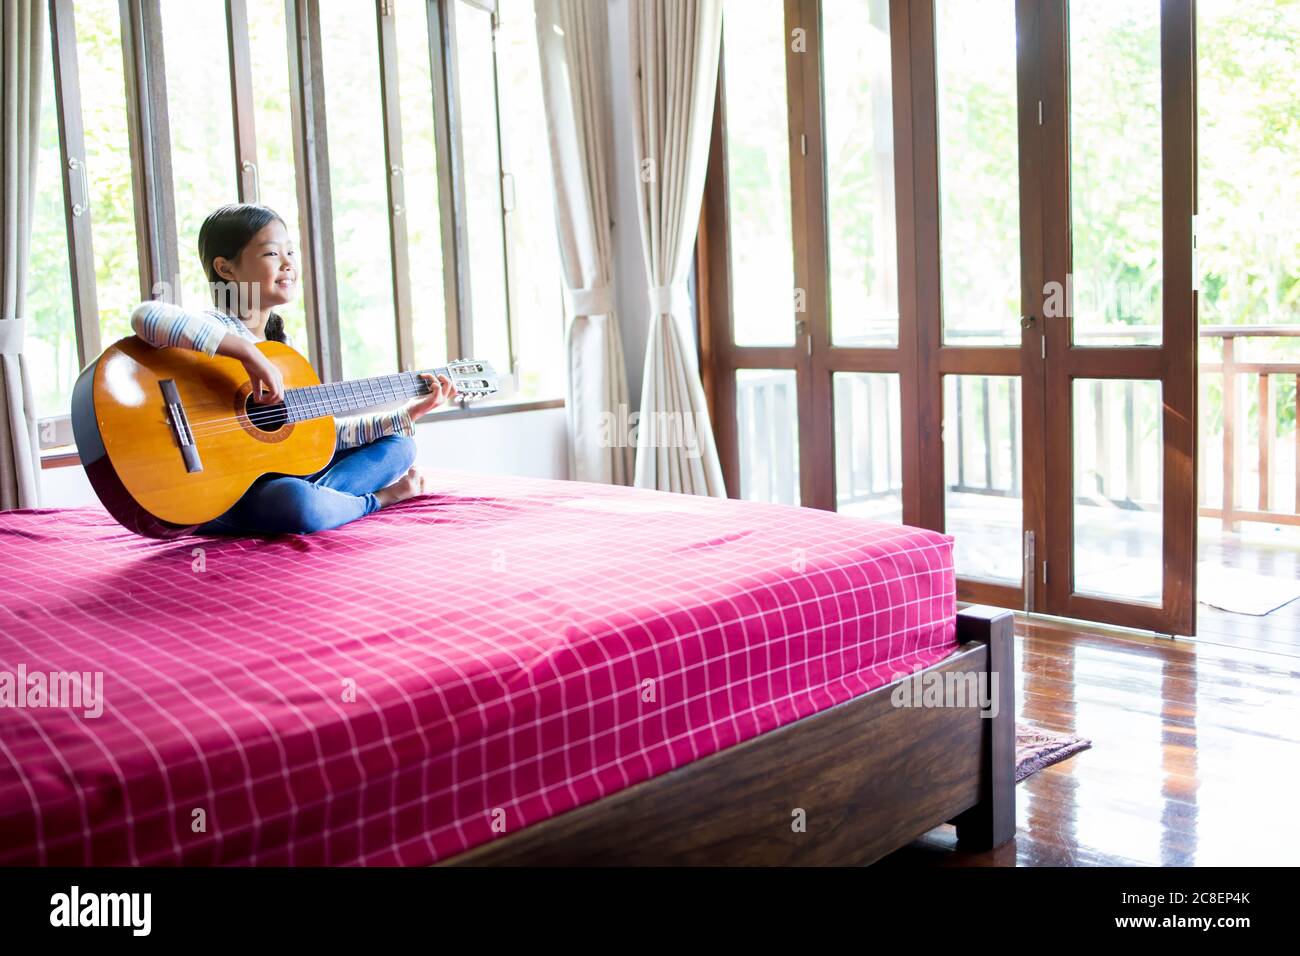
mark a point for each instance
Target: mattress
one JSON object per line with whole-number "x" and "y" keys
{"x": 437, "y": 675}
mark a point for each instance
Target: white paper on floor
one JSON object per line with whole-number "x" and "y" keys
{"x": 1242, "y": 592}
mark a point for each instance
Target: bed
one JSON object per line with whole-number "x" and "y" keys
{"x": 504, "y": 671}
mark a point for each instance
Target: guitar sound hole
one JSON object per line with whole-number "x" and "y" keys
{"x": 267, "y": 418}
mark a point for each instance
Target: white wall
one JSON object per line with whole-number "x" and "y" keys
{"x": 532, "y": 443}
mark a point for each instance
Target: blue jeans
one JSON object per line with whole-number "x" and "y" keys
{"x": 342, "y": 491}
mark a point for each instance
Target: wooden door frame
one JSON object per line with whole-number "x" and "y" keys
{"x": 1173, "y": 363}
{"x": 720, "y": 357}
{"x": 921, "y": 359}
{"x": 935, "y": 359}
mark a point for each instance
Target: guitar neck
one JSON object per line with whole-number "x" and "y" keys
{"x": 344, "y": 398}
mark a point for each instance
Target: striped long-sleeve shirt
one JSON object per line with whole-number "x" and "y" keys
{"x": 164, "y": 325}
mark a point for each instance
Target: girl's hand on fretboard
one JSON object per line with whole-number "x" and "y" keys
{"x": 440, "y": 390}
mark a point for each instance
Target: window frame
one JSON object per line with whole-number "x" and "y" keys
{"x": 1046, "y": 362}
{"x": 145, "y": 94}
{"x": 813, "y": 354}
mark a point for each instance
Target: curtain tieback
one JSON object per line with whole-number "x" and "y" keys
{"x": 672, "y": 299}
{"x": 596, "y": 300}
{"x": 11, "y": 335}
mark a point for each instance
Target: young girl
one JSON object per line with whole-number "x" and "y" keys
{"x": 247, "y": 248}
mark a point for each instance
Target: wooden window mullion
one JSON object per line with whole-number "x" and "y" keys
{"x": 507, "y": 221}
{"x": 394, "y": 175}
{"x": 311, "y": 166}
{"x": 72, "y": 156}
{"x": 451, "y": 187}
{"x": 151, "y": 167}
{"x": 241, "y": 101}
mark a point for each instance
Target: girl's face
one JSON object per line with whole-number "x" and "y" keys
{"x": 269, "y": 262}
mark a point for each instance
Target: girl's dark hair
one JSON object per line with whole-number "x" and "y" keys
{"x": 224, "y": 234}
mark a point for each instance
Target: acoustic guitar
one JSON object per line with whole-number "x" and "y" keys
{"x": 171, "y": 438}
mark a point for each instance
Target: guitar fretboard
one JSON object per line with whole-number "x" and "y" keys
{"x": 343, "y": 398}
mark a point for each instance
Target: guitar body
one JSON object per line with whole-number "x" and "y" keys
{"x": 169, "y": 439}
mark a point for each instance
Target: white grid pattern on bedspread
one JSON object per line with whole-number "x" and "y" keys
{"x": 518, "y": 647}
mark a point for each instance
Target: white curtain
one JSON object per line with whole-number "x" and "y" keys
{"x": 674, "y": 47}
{"x": 572, "y": 40}
{"x": 23, "y": 38}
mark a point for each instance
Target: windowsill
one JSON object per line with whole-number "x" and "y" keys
{"x": 482, "y": 409}
{"x": 65, "y": 456}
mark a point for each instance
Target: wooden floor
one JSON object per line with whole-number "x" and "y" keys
{"x": 1278, "y": 631}
{"x": 1195, "y": 757}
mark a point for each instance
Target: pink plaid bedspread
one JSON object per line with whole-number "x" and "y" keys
{"x": 404, "y": 688}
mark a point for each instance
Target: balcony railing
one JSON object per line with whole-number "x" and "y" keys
{"x": 1271, "y": 450}
{"x": 1244, "y": 453}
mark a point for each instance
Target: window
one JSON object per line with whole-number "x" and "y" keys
{"x": 983, "y": 500}
{"x": 111, "y": 191}
{"x": 767, "y": 414}
{"x": 363, "y": 265}
{"x": 758, "y": 172}
{"x": 461, "y": 168}
{"x": 862, "y": 251}
{"x": 979, "y": 197}
{"x": 515, "y": 298}
{"x": 992, "y": 210}
{"x": 52, "y": 346}
{"x": 533, "y": 252}
{"x": 202, "y": 134}
{"x": 275, "y": 181}
{"x": 98, "y": 198}
{"x": 1115, "y": 174}
{"x": 420, "y": 170}
{"x": 868, "y": 445}
{"x": 481, "y": 161}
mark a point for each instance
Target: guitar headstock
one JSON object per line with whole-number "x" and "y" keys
{"x": 473, "y": 378}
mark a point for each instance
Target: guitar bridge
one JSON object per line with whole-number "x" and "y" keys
{"x": 180, "y": 425}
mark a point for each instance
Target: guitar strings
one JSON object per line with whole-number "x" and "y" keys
{"x": 194, "y": 406}
{"x": 316, "y": 409}
{"x": 220, "y": 426}
{"x": 232, "y": 423}
{"x": 262, "y": 413}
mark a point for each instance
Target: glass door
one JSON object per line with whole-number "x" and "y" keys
{"x": 946, "y": 267}
{"x": 981, "y": 366}
{"x": 1052, "y": 212}
{"x": 1119, "y": 311}
{"x": 758, "y": 347}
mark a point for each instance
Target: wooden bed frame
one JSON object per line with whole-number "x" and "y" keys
{"x": 869, "y": 777}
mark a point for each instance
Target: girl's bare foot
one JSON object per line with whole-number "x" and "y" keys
{"x": 408, "y": 486}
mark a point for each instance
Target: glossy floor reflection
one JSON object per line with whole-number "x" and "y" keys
{"x": 1260, "y": 549}
{"x": 1196, "y": 750}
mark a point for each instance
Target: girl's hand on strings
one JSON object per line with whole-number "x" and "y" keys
{"x": 440, "y": 390}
